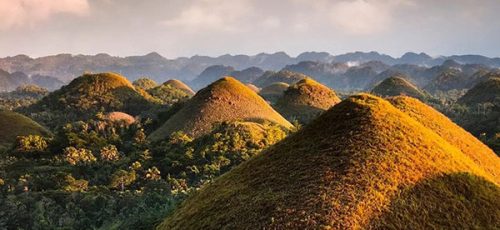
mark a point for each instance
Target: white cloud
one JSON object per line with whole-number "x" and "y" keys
{"x": 219, "y": 15}
{"x": 29, "y": 12}
{"x": 362, "y": 16}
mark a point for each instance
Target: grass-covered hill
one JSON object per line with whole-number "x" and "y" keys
{"x": 363, "y": 164}
{"x": 285, "y": 76}
{"x": 14, "y": 124}
{"x": 449, "y": 131}
{"x": 396, "y": 86}
{"x": 224, "y": 100}
{"x": 305, "y": 100}
{"x": 90, "y": 93}
{"x": 273, "y": 91}
{"x": 174, "y": 83}
{"x": 487, "y": 91}
{"x": 144, "y": 83}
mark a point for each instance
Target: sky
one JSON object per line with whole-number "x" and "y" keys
{"x": 177, "y": 28}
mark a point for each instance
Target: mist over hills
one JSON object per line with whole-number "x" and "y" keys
{"x": 66, "y": 66}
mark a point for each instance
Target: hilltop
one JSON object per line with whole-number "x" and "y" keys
{"x": 174, "y": 83}
{"x": 305, "y": 100}
{"x": 224, "y": 100}
{"x": 396, "y": 86}
{"x": 285, "y": 76}
{"x": 360, "y": 165}
{"x": 14, "y": 124}
{"x": 483, "y": 92}
{"x": 273, "y": 91}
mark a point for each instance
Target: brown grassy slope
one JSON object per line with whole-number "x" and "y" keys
{"x": 483, "y": 92}
{"x": 396, "y": 86}
{"x": 120, "y": 117}
{"x": 305, "y": 100}
{"x": 14, "y": 124}
{"x": 451, "y": 132}
{"x": 224, "y": 100}
{"x": 432, "y": 204}
{"x": 180, "y": 85}
{"x": 341, "y": 171}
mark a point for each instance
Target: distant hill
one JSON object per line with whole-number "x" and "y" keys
{"x": 171, "y": 91}
{"x": 363, "y": 164}
{"x": 14, "y": 124}
{"x": 65, "y": 67}
{"x": 397, "y": 86}
{"x": 144, "y": 83}
{"x": 91, "y": 93}
{"x": 305, "y": 100}
{"x": 356, "y": 78}
{"x": 273, "y": 91}
{"x": 484, "y": 92}
{"x": 253, "y": 87}
{"x": 247, "y": 75}
{"x": 180, "y": 85}
{"x": 285, "y": 76}
{"x": 224, "y": 100}
{"x": 210, "y": 75}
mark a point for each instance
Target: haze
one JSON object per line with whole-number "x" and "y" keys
{"x": 214, "y": 27}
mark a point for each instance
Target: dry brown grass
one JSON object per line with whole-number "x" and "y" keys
{"x": 224, "y": 100}
{"x": 343, "y": 171}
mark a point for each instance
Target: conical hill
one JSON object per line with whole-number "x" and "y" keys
{"x": 359, "y": 165}
{"x": 224, "y": 100}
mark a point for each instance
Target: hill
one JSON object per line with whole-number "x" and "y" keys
{"x": 174, "y": 83}
{"x": 14, "y": 124}
{"x": 305, "y": 100}
{"x": 360, "y": 165}
{"x": 273, "y": 91}
{"x": 90, "y": 93}
{"x": 224, "y": 100}
{"x": 396, "y": 86}
{"x": 144, "y": 83}
{"x": 247, "y": 75}
{"x": 211, "y": 74}
{"x": 451, "y": 132}
{"x": 285, "y": 76}
{"x": 483, "y": 92}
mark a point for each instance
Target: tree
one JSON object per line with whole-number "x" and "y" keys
{"x": 109, "y": 153}
{"x": 31, "y": 144}
{"x": 122, "y": 178}
{"x": 76, "y": 156}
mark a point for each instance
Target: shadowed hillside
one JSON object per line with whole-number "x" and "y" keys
{"x": 396, "y": 86}
{"x": 285, "y": 76}
{"x": 483, "y": 92}
{"x": 14, "y": 124}
{"x": 273, "y": 91}
{"x": 348, "y": 167}
{"x": 305, "y": 100}
{"x": 224, "y": 100}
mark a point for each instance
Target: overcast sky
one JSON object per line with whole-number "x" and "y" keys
{"x": 214, "y": 27}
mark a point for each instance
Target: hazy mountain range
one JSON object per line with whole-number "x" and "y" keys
{"x": 66, "y": 66}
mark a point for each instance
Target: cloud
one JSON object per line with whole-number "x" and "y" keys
{"x": 205, "y": 15}
{"x": 363, "y": 17}
{"x": 30, "y": 12}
